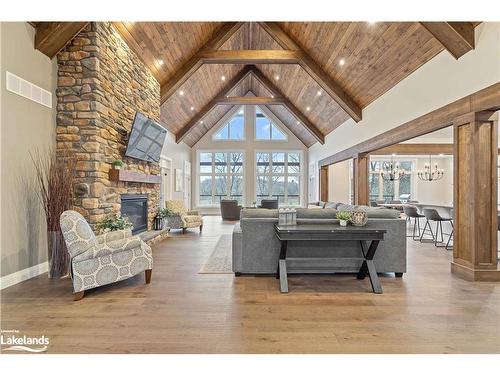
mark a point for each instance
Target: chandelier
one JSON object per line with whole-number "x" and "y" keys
{"x": 429, "y": 173}
{"x": 391, "y": 171}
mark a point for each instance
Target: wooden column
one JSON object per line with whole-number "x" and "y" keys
{"x": 360, "y": 173}
{"x": 475, "y": 197}
{"x": 323, "y": 183}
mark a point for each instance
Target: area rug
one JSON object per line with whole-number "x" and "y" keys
{"x": 220, "y": 261}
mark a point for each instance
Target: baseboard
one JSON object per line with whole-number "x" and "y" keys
{"x": 20, "y": 276}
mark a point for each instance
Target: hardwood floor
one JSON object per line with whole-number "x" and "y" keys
{"x": 181, "y": 311}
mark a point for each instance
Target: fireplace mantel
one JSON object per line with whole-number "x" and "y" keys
{"x": 122, "y": 175}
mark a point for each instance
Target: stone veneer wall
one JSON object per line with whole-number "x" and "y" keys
{"x": 101, "y": 84}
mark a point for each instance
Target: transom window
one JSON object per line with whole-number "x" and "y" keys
{"x": 265, "y": 129}
{"x": 278, "y": 175}
{"x": 234, "y": 130}
{"x": 221, "y": 176}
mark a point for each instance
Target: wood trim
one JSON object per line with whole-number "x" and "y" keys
{"x": 456, "y": 37}
{"x": 315, "y": 132}
{"x": 482, "y": 100}
{"x": 181, "y": 134}
{"x": 51, "y": 37}
{"x": 195, "y": 62}
{"x": 251, "y": 100}
{"x": 416, "y": 149}
{"x": 323, "y": 184}
{"x": 314, "y": 70}
{"x": 271, "y": 56}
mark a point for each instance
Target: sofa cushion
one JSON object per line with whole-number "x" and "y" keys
{"x": 258, "y": 212}
{"x": 333, "y": 204}
{"x": 306, "y": 213}
{"x": 372, "y": 212}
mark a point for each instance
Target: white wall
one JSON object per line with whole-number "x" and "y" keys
{"x": 26, "y": 126}
{"x": 436, "y": 192}
{"x": 178, "y": 152}
{"x": 249, "y": 146}
{"x": 438, "y": 82}
{"x": 338, "y": 182}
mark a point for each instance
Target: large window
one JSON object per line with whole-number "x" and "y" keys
{"x": 234, "y": 130}
{"x": 384, "y": 189}
{"x": 221, "y": 176}
{"x": 278, "y": 175}
{"x": 265, "y": 129}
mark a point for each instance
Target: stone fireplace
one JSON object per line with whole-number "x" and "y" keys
{"x": 101, "y": 85}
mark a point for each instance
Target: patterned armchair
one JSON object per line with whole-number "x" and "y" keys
{"x": 104, "y": 259}
{"x": 183, "y": 219}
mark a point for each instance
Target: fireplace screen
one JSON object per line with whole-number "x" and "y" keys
{"x": 135, "y": 207}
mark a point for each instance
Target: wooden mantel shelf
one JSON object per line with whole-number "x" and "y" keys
{"x": 121, "y": 175}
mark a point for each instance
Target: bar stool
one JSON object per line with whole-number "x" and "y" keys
{"x": 432, "y": 215}
{"x": 411, "y": 212}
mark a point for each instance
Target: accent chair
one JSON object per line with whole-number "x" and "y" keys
{"x": 183, "y": 218}
{"x": 104, "y": 259}
{"x": 229, "y": 209}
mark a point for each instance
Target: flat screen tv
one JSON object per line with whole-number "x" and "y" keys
{"x": 146, "y": 139}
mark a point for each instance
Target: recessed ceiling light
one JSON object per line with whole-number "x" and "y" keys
{"x": 192, "y": 108}
{"x": 341, "y": 62}
{"x": 223, "y": 78}
{"x": 160, "y": 62}
{"x": 298, "y": 122}
{"x": 318, "y": 93}
{"x": 201, "y": 122}
{"x": 227, "y": 96}
{"x": 308, "y": 109}
{"x": 277, "y": 78}
{"x": 181, "y": 93}
{"x": 272, "y": 96}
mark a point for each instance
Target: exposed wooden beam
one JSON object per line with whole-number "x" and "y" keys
{"x": 487, "y": 99}
{"x": 251, "y": 100}
{"x": 416, "y": 149}
{"x": 456, "y": 37}
{"x": 315, "y": 132}
{"x": 181, "y": 134}
{"x": 270, "y": 56}
{"x": 51, "y": 37}
{"x": 192, "y": 65}
{"x": 314, "y": 70}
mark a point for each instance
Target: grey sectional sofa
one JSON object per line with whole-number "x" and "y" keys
{"x": 256, "y": 247}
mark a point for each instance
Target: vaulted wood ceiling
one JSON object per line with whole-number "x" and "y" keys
{"x": 301, "y": 60}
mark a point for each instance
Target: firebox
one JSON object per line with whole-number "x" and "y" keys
{"x": 135, "y": 207}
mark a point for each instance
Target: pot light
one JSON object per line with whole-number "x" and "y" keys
{"x": 272, "y": 96}
{"x": 341, "y": 62}
{"x": 223, "y": 78}
{"x": 308, "y": 109}
{"x": 277, "y": 78}
{"x": 181, "y": 93}
{"x": 318, "y": 93}
{"x": 160, "y": 62}
{"x": 192, "y": 108}
{"x": 201, "y": 122}
{"x": 298, "y": 122}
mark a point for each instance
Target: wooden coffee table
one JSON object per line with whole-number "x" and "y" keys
{"x": 330, "y": 232}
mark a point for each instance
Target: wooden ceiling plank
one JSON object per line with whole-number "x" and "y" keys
{"x": 315, "y": 132}
{"x": 250, "y": 100}
{"x": 456, "y": 37}
{"x": 315, "y": 71}
{"x": 249, "y": 57}
{"x": 51, "y": 37}
{"x": 182, "y": 133}
{"x": 187, "y": 70}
